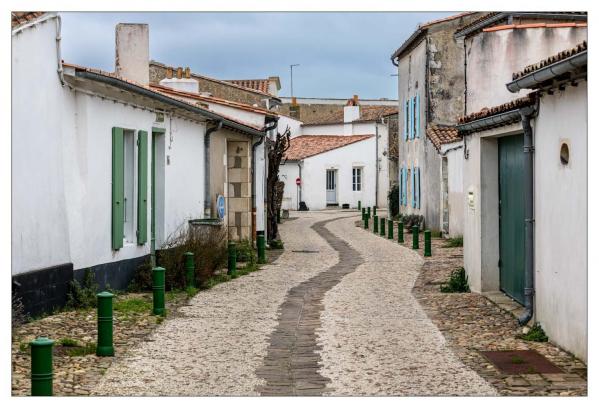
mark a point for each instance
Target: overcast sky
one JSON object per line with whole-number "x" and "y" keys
{"x": 340, "y": 54}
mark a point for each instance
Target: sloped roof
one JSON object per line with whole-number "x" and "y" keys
{"x": 527, "y": 100}
{"x": 367, "y": 114}
{"x": 18, "y": 18}
{"x": 302, "y": 147}
{"x": 257, "y": 84}
{"x": 550, "y": 60}
{"x": 441, "y": 134}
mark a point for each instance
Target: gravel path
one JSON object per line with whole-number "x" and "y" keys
{"x": 221, "y": 338}
{"x": 376, "y": 339}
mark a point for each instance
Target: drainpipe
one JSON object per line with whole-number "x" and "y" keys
{"x": 207, "y": 193}
{"x": 527, "y": 114}
{"x": 58, "y": 53}
{"x": 299, "y": 165}
{"x": 376, "y": 163}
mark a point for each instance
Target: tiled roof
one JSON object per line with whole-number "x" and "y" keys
{"x": 302, "y": 147}
{"x": 220, "y": 101}
{"x": 150, "y": 88}
{"x": 532, "y": 25}
{"x": 440, "y": 135}
{"x": 22, "y": 17}
{"x": 527, "y": 100}
{"x": 257, "y": 84}
{"x": 478, "y": 20}
{"x": 550, "y": 60}
{"x": 449, "y": 18}
{"x": 367, "y": 114}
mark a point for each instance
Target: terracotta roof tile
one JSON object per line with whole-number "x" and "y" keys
{"x": 22, "y": 17}
{"x": 302, "y": 147}
{"x": 367, "y": 114}
{"x": 257, "y": 84}
{"x": 440, "y": 135}
{"x": 527, "y": 100}
{"x": 532, "y": 25}
{"x": 449, "y": 18}
{"x": 551, "y": 60}
{"x": 478, "y": 20}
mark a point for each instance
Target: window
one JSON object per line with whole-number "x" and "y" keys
{"x": 357, "y": 179}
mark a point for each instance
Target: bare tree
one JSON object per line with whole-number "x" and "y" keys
{"x": 274, "y": 187}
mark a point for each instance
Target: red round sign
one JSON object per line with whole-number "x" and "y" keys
{"x": 298, "y": 181}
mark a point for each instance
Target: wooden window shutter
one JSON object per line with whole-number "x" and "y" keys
{"x": 417, "y": 187}
{"x": 118, "y": 188}
{"x": 411, "y": 121}
{"x": 417, "y": 116}
{"x": 401, "y": 185}
{"x": 413, "y": 187}
{"x": 406, "y": 120}
{"x": 142, "y": 187}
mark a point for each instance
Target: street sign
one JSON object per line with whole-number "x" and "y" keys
{"x": 298, "y": 181}
{"x": 220, "y": 206}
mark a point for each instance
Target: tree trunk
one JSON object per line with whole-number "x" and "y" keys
{"x": 274, "y": 187}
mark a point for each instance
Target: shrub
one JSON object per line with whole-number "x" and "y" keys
{"x": 209, "y": 247}
{"x": 83, "y": 295}
{"x": 393, "y": 197}
{"x": 410, "y": 220}
{"x": 68, "y": 342}
{"x": 454, "y": 242}
{"x": 245, "y": 252}
{"x": 458, "y": 282}
{"x": 276, "y": 244}
{"x": 536, "y": 333}
{"x": 19, "y": 316}
{"x": 142, "y": 280}
{"x": 436, "y": 234}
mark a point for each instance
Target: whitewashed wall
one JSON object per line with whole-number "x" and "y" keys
{"x": 455, "y": 188}
{"x": 561, "y": 224}
{"x": 295, "y": 126}
{"x": 288, "y": 173}
{"x": 360, "y": 154}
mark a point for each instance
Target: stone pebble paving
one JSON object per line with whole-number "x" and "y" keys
{"x": 216, "y": 343}
{"x": 376, "y": 339}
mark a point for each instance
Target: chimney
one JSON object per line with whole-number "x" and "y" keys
{"x": 351, "y": 111}
{"x": 183, "y": 81}
{"x": 294, "y": 109}
{"x": 133, "y": 52}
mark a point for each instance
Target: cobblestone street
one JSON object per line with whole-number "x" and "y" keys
{"x": 333, "y": 315}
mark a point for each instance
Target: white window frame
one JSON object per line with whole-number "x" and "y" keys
{"x": 357, "y": 177}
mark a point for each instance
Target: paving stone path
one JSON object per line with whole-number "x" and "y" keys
{"x": 293, "y": 361}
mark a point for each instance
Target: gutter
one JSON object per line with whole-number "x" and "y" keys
{"x": 406, "y": 45}
{"x": 207, "y": 192}
{"x": 535, "y": 79}
{"x": 127, "y": 86}
{"x": 491, "y": 121}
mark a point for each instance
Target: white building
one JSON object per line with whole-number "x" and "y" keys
{"x": 333, "y": 170}
{"x": 104, "y": 168}
{"x": 525, "y": 174}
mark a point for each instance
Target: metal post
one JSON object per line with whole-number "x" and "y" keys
{"x": 261, "y": 243}
{"x": 415, "y": 237}
{"x": 368, "y": 212}
{"x": 366, "y": 222}
{"x": 427, "y": 243}
{"x": 374, "y": 210}
{"x": 41, "y": 367}
{"x": 363, "y": 213}
{"x": 291, "y": 66}
{"x": 189, "y": 270}
{"x": 390, "y": 232}
{"x": 376, "y": 224}
{"x": 104, "y": 346}
{"x": 400, "y": 232}
{"x": 158, "y": 274}
{"x": 382, "y": 229}
{"x": 278, "y": 216}
{"x": 232, "y": 260}
{"x": 359, "y": 205}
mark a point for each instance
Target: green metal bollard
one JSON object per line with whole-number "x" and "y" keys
{"x": 278, "y": 216}
{"x": 400, "y": 232}
{"x": 261, "y": 243}
{"x": 368, "y": 212}
{"x": 363, "y": 213}
{"x": 232, "y": 260}
{"x": 415, "y": 237}
{"x": 359, "y": 205}
{"x": 158, "y": 289}
{"x": 41, "y": 367}
{"x": 427, "y": 243}
{"x": 365, "y": 223}
{"x": 390, "y": 232}
{"x": 189, "y": 270}
{"x": 375, "y": 224}
{"x": 104, "y": 346}
{"x": 374, "y": 210}
{"x": 382, "y": 229}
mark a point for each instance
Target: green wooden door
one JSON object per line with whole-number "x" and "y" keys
{"x": 511, "y": 216}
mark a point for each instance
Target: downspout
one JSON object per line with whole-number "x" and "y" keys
{"x": 207, "y": 192}
{"x": 376, "y": 163}
{"x": 527, "y": 114}
{"x": 58, "y": 53}
{"x": 299, "y": 198}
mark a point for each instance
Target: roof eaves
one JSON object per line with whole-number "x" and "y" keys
{"x": 408, "y": 43}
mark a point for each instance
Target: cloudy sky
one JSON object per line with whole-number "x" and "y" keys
{"x": 340, "y": 54}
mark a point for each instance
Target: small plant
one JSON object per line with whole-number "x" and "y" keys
{"x": 454, "y": 242}
{"x": 19, "y": 316}
{"x": 68, "y": 342}
{"x": 393, "y": 197}
{"x": 83, "y": 295}
{"x": 458, "y": 282}
{"x": 517, "y": 360}
{"x": 159, "y": 319}
{"x": 245, "y": 252}
{"x": 24, "y": 347}
{"x": 191, "y": 291}
{"x": 276, "y": 244}
{"x": 132, "y": 305}
{"x": 436, "y": 234}
{"x": 215, "y": 280}
{"x": 89, "y": 348}
{"x": 536, "y": 333}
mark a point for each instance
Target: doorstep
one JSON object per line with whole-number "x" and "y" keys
{"x": 506, "y": 303}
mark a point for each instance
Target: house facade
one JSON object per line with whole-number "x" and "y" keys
{"x": 524, "y": 171}
{"x": 103, "y": 165}
{"x": 431, "y": 93}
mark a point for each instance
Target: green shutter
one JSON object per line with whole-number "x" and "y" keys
{"x": 142, "y": 187}
{"x": 118, "y": 188}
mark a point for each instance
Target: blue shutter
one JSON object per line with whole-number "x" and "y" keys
{"x": 417, "y": 187}
{"x": 405, "y": 186}
{"x": 413, "y": 189}
{"x": 411, "y": 121}
{"x": 418, "y": 116}
{"x": 405, "y": 122}
{"x": 407, "y": 119}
